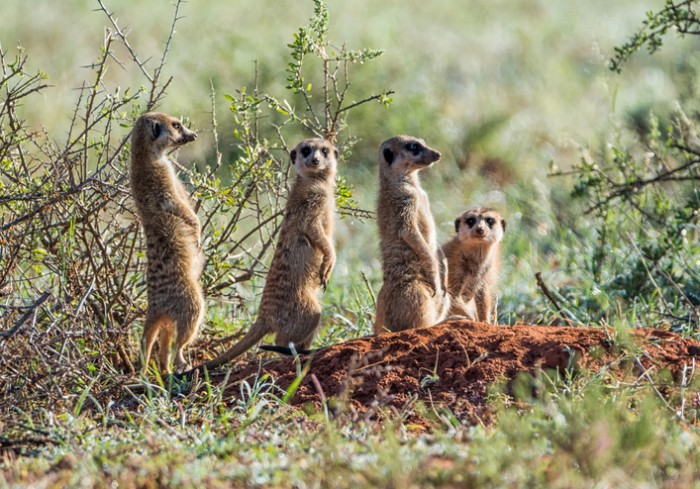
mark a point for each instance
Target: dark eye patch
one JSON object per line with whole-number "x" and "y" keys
{"x": 470, "y": 221}
{"x": 324, "y": 151}
{"x": 490, "y": 221}
{"x": 305, "y": 151}
{"x": 414, "y": 148}
{"x": 177, "y": 125}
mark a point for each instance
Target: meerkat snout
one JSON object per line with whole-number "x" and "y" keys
{"x": 188, "y": 136}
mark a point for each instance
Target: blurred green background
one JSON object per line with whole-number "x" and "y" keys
{"x": 525, "y": 79}
{"x": 505, "y": 90}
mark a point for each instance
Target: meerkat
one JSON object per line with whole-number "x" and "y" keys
{"x": 473, "y": 258}
{"x": 173, "y": 239}
{"x": 304, "y": 257}
{"x": 414, "y": 291}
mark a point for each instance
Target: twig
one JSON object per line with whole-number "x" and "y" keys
{"x": 548, "y": 294}
{"x": 369, "y": 288}
{"x": 365, "y": 100}
{"x": 319, "y": 389}
{"x": 645, "y": 373}
{"x": 27, "y": 315}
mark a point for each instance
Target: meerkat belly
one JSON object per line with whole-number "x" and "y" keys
{"x": 172, "y": 258}
{"x": 291, "y": 291}
{"x": 296, "y": 263}
{"x": 401, "y": 260}
{"x": 471, "y": 269}
{"x": 425, "y": 222}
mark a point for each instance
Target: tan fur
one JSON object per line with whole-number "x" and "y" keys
{"x": 172, "y": 229}
{"x": 290, "y": 305}
{"x": 473, "y": 258}
{"x": 414, "y": 291}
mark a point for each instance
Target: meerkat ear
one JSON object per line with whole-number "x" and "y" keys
{"x": 388, "y": 155}
{"x": 337, "y": 155}
{"x": 457, "y": 225}
{"x": 156, "y": 129}
{"x": 503, "y": 224}
{"x": 293, "y": 155}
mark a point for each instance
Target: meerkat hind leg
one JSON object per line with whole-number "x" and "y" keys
{"x": 185, "y": 335}
{"x": 180, "y": 362}
{"x": 151, "y": 329}
{"x": 165, "y": 340}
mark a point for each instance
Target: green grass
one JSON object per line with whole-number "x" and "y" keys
{"x": 507, "y": 91}
{"x": 574, "y": 434}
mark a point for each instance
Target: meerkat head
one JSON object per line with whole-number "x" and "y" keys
{"x": 484, "y": 225}
{"x": 160, "y": 132}
{"x": 403, "y": 155}
{"x": 314, "y": 157}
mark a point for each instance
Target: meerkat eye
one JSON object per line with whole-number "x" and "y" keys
{"x": 305, "y": 151}
{"x": 414, "y": 148}
{"x": 177, "y": 125}
{"x": 324, "y": 151}
{"x": 470, "y": 221}
{"x": 490, "y": 221}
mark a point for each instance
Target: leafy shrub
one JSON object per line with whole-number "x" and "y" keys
{"x": 72, "y": 254}
{"x": 639, "y": 252}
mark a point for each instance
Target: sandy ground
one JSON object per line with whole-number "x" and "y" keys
{"x": 455, "y": 363}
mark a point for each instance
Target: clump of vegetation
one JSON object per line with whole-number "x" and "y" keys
{"x": 72, "y": 253}
{"x": 639, "y": 253}
{"x": 644, "y": 212}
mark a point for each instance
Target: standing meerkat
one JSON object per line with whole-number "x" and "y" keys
{"x": 414, "y": 291}
{"x": 173, "y": 239}
{"x": 290, "y": 305}
{"x": 473, "y": 258}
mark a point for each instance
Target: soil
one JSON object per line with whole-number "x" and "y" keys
{"x": 454, "y": 364}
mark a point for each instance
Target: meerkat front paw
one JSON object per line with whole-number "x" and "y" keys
{"x": 324, "y": 275}
{"x": 433, "y": 284}
{"x": 326, "y": 269}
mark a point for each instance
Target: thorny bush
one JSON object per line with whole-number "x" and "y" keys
{"x": 72, "y": 287}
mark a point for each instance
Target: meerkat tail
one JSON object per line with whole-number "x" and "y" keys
{"x": 285, "y": 350}
{"x": 252, "y": 337}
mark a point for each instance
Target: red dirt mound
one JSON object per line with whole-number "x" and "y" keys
{"x": 454, "y": 363}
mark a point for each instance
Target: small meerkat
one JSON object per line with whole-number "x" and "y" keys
{"x": 290, "y": 305}
{"x": 414, "y": 291}
{"x": 173, "y": 239}
{"x": 473, "y": 258}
